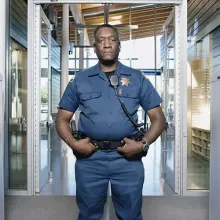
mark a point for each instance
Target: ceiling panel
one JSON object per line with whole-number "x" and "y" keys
{"x": 123, "y": 14}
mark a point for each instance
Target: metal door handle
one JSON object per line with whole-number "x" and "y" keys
{"x": 49, "y": 124}
{"x": 50, "y": 121}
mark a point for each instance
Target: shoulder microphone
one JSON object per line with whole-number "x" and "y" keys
{"x": 114, "y": 81}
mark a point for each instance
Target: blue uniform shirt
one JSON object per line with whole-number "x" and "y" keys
{"x": 102, "y": 117}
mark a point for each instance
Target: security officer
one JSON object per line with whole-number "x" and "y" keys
{"x": 108, "y": 152}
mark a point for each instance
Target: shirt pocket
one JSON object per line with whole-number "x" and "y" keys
{"x": 130, "y": 100}
{"x": 90, "y": 96}
{"x": 90, "y": 101}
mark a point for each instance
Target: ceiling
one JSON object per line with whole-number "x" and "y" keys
{"x": 125, "y": 14}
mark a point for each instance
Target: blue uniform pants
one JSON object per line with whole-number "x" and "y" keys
{"x": 92, "y": 177}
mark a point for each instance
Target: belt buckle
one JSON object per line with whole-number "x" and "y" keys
{"x": 107, "y": 144}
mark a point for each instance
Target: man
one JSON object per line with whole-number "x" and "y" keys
{"x": 109, "y": 152}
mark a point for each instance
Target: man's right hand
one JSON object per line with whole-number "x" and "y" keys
{"x": 83, "y": 146}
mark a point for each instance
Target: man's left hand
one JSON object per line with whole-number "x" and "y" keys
{"x": 130, "y": 148}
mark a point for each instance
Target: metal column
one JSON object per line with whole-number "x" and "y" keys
{"x": 81, "y": 50}
{"x": 130, "y": 38}
{"x": 3, "y": 37}
{"x": 65, "y": 48}
{"x": 106, "y": 13}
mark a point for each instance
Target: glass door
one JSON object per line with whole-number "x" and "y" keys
{"x": 17, "y": 112}
{"x": 169, "y": 104}
{"x": 45, "y": 104}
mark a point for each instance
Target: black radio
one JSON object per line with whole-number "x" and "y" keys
{"x": 76, "y": 134}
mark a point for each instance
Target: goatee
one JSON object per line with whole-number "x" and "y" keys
{"x": 108, "y": 62}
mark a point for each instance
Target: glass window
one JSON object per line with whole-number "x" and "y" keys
{"x": 17, "y": 117}
{"x": 136, "y": 50}
{"x": 199, "y": 59}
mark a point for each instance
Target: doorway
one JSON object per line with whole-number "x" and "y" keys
{"x": 175, "y": 160}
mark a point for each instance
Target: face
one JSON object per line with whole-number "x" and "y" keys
{"x": 107, "y": 46}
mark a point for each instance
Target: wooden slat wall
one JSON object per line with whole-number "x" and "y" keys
{"x": 216, "y": 50}
{"x": 18, "y": 21}
{"x": 200, "y": 14}
{"x": 203, "y": 59}
{"x": 143, "y": 17}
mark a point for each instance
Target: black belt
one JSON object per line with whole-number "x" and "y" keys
{"x": 107, "y": 145}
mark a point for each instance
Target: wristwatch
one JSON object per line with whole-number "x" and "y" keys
{"x": 145, "y": 145}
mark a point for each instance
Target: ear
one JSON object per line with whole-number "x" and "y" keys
{"x": 119, "y": 44}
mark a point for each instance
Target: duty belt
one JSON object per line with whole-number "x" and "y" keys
{"x": 107, "y": 145}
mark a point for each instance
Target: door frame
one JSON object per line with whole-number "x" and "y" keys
{"x": 42, "y": 174}
{"x": 181, "y": 10}
{"x": 33, "y": 125}
{"x": 171, "y": 176}
{"x": 4, "y": 42}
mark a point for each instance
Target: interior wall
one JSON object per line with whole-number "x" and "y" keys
{"x": 216, "y": 49}
{"x": 203, "y": 17}
{"x": 200, "y": 14}
{"x": 18, "y": 21}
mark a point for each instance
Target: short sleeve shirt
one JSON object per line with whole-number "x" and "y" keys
{"x": 101, "y": 116}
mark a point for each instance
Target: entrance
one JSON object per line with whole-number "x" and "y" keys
{"x": 41, "y": 130}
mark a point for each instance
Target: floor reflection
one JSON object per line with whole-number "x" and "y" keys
{"x": 198, "y": 173}
{"x": 17, "y": 160}
{"x": 63, "y": 166}
{"x": 63, "y": 161}
{"x": 170, "y": 151}
{"x": 18, "y": 171}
